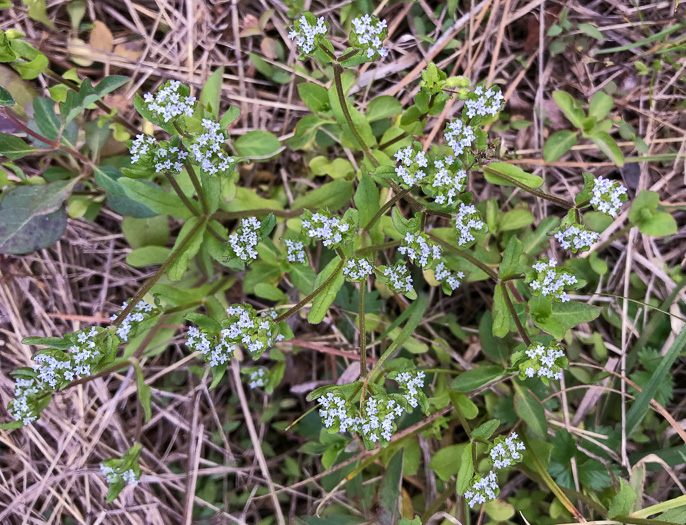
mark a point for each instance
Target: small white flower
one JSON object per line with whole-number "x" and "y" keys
{"x": 322, "y": 226}
{"x": 608, "y": 196}
{"x": 483, "y": 489}
{"x": 544, "y": 362}
{"x": 305, "y": 33}
{"x": 399, "y": 278}
{"x": 295, "y": 252}
{"x": 207, "y": 150}
{"x": 170, "y": 102}
{"x": 505, "y": 452}
{"x": 357, "y": 269}
{"x": 459, "y": 136}
{"x": 420, "y": 250}
{"x": 484, "y": 102}
{"x": 412, "y": 162}
{"x": 242, "y": 243}
{"x": 546, "y": 279}
{"x": 368, "y": 34}
{"x": 467, "y": 222}
{"x": 576, "y": 238}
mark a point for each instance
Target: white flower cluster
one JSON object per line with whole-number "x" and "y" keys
{"x": 295, "y": 251}
{"x": 576, "y": 237}
{"x": 54, "y": 367}
{"x": 412, "y": 159}
{"x": 140, "y": 313}
{"x": 242, "y": 243}
{"x": 256, "y": 333}
{"x": 608, "y": 196}
{"x": 141, "y": 147}
{"x": 467, "y": 222}
{"x": 399, "y": 278}
{"x": 368, "y": 33}
{"x": 420, "y": 249}
{"x": 483, "y": 489}
{"x": 207, "y": 150}
{"x": 257, "y": 378}
{"x": 169, "y": 103}
{"x": 379, "y": 412}
{"x": 357, "y": 269}
{"x": 305, "y": 33}
{"x": 322, "y": 226}
{"x": 551, "y": 281}
{"x": 442, "y": 274}
{"x": 459, "y": 136}
{"x": 446, "y": 182}
{"x": 113, "y": 475}
{"x": 506, "y": 451}
{"x": 26, "y": 393}
{"x": 169, "y": 158}
{"x": 545, "y": 362}
{"x": 484, "y": 103}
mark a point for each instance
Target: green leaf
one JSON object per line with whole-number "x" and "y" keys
{"x": 22, "y": 233}
{"x": 571, "y": 313}
{"x": 383, "y": 107}
{"x": 321, "y": 303}
{"x": 389, "y": 493}
{"x": 485, "y": 430}
{"x": 38, "y": 12}
{"x": 608, "y": 146}
{"x": 76, "y": 103}
{"x": 50, "y": 197}
{"x": 305, "y": 130}
{"x": 591, "y": 31}
{"x": 14, "y": 147}
{"x": 491, "y": 173}
{"x": 600, "y": 105}
{"x": 178, "y": 267}
{"x": 11, "y": 425}
{"x": 622, "y": 503}
{"x": 558, "y": 144}
{"x": 315, "y": 97}
{"x": 658, "y": 225}
{"x": 530, "y": 410}
{"x": 466, "y": 470}
{"x": 336, "y": 168}
{"x": 148, "y": 256}
{"x": 6, "y": 98}
{"x": 367, "y": 199}
{"x": 638, "y": 410}
{"x": 257, "y": 143}
{"x": 515, "y": 219}
{"x": 211, "y": 93}
{"x": 44, "y": 115}
{"x": 144, "y": 394}
{"x": 271, "y": 71}
{"x": 501, "y": 313}
{"x": 464, "y": 404}
{"x": 446, "y": 462}
{"x": 231, "y": 114}
{"x": 358, "y": 119}
{"x": 570, "y": 107}
{"x": 492, "y": 347}
{"x": 155, "y": 199}
{"x": 332, "y": 195}
{"x": 470, "y": 380}
{"x": 146, "y": 231}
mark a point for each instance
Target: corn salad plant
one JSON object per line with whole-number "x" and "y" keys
{"x": 396, "y": 220}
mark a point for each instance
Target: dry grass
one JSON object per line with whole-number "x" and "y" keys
{"x": 49, "y": 471}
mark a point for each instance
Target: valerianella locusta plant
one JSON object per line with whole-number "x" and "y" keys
{"x": 398, "y": 278}
{"x": 467, "y": 222}
{"x": 368, "y": 34}
{"x": 171, "y": 101}
{"x": 484, "y": 102}
{"x": 543, "y": 361}
{"x": 608, "y": 196}
{"x": 420, "y": 249}
{"x": 446, "y": 181}
{"x": 483, "y": 489}
{"x": 412, "y": 165}
{"x": 357, "y": 269}
{"x": 506, "y": 451}
{"x": 295, "y": 251}
{"x": 207, "y": 150}
{"x": 129, "y": 324}
{"x": 308, "y": 30}
{"x": 459, "y": 136}
{"x": 323, "y": 226}
{"x": 242, "y": 243}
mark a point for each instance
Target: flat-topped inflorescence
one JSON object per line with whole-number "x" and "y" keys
{"x": 459, "y": 136}
{"x": 208, "y": 152}
{"x": 160, "y": 156}
{"x": 306, "y": 32}
{"x": 420, "y": 250}
{"x": 484, "y": 102}
{"x": 295, "y": 252}
{"x": 444, "y": 275}
{"x": 505, "y": 452}
{"x": 549, "y": 280}
{"x": 357, "y": 269}
{"x": 446, "y": 181}
{"x": 482, "y": 489}
{"x": 257, "y": 378}
{"x": 242, "y": 243}
{"x": 171, "y": 101}
{"x": 141, "y": 312}
{"x": 368, "y": 34}
{"x": 576, "y": 237}
{"x": 398, "y": 278}
{"x": 412, "y": 165}
{"x": 608, "y": 196}
{"x": 543, "y": 361}
{"x": 323, "y": 226}
{"x": 120, "y": 472}
{"x": 467, "y": 222}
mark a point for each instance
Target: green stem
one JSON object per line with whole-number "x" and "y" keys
{"x": 314, "y": 294}
{"x": 510, "y": 307}
{"x": 465, "y": 255}
{"x": 162, "y": 269}
{"x": 541, "y": 194}
{"x": 382, "y": 211}
{"x": 186, "y": 201}
{"x": 378, "y": 247}
{"x": 363, "y": 332}
{"x": 198, "y": 187}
